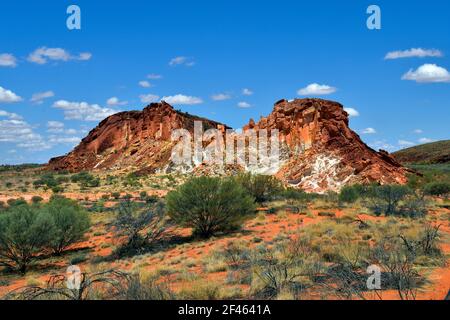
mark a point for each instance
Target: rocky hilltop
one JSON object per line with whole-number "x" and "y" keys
{"x": 320, "y": 151}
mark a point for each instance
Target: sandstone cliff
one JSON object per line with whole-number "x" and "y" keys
{"x": 320, "y": 151}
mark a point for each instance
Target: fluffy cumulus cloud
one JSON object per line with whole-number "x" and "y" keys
{"x": 182, "y": 99}
{"x": 244, "y": 104}
{"x": 7, "y": 96}
{"x": 382, "y": 144}
{"x": 405, "y": 143}
{"x": 145, "y": 84}
{"x": 21, "y": 133}
{"x": 368, "y": 131}
{"x": 221, "y": 97}
{"x": 149, "y": 98}
{"x": 43, "y": 55}
{"x": 425, "y": 140}
{"x": 413, "y": 53}
{"x": 10, "y": 115}
{"x": 181, "y": 60}
{"x": 114, "y": 101}
{"x": 83, "y": 110}
{"x": 247, "y": 92}
{"x": 316, "y": 89}
{"x": 8, "y": 60}
{"x": 39, "y": 97}
{"x": 55, "y": 126}
{"x": 154, "y": 76}
{"x": 427, "y": 73}
{"x": 351, "y": 112}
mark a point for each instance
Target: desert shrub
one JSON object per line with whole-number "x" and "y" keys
{"x": 141, "y": 227}
{"x": 437, "y": 188}
{"x": 201, "y": 290}
{"x": 385, "y": 199}
{"x": 70, "y": 222}
{"x": 47, "y": 179}
{"x": 413, "y": 206}
{"x": 209, "y": 205}
{"x": 105, "y": 196}
{"x": 115, "y": 195}
{"x": 8, "y": 185}
{"x": 24, "y": 234}
{"x": 140, "y": 288}
{"x": 79, "y": 258}
{"x": 16, "y": 202}
{"x": 85, "y": 180}
{"x": 143, "y": 195}
{"x": 297, "y": 200}
{"x": 262, "y": 187}
{"x": 349, "y": 194}
{"x": 57, "y": 189}
{"x": 36, "y": 199}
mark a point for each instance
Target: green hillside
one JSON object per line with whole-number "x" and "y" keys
{"x": 430, "y": 153}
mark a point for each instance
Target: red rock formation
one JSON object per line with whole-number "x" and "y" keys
{"x": 323, "y": 153}
{"x": 320, "y": 152}
{"x": 132, "y": 139}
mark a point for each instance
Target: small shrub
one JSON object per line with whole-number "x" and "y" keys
{"x": 36, "y": 199}
{"x": 209, "y": 205}
{"x": 262, "y": 187}
{"x": 437, "y": 188}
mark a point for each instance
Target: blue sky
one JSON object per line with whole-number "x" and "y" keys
{"x": 207, "y": 52}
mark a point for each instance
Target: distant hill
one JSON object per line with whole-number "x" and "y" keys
{"x": 430, "y": 153}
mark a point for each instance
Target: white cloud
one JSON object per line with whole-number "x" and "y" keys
{"x": 40, "y": 96}
{"x": 186, "y": 61}
{"x": 428, "y": 73}
{"x": 182, "y": 99}
{"x": 414, "y": 52}
{"x": 22, "y": 134}
{"x": 154, "y": 76}
{"x": 352, "y": 112}
{"x": 247, "y": 92}
{"x": 114, "y": 101}
{"x": 405, "y": 143}
{"x": 382, "y": 144}
{"x": 244, "y": 104}
{"x": 425, "y": 140}
{"x": 8, "y": 60}
{"x": 368, "y": 131}
{"x": 149, "y": 98}
{"x": 220, "y": 97}
{"x": 83, "y": 110}
{"x": 316, "y": 89}
{"x": 55, "y": 126}
{"x": 418, "y": 131}
{"x": 10, "y": 115}
{"x": 7, "y": 96}
{"x": 43, "y": 54}
{"x": 64, "y": 140}
{"x": 145, "y": 84}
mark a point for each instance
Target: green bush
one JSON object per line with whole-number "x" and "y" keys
{"x": 36, "y": 199}
{"x": 25, "y": 232}
{"x": 85, "y": 179}
{"x": 385, "y": 199}
{"x": 70, "y": 222}
{"x": 209, "y": 205}
{"x": 437, "y": 188}
{"x": 349, "y": 194}
{"x": 140, "y": 226}
{"x": 262, "y": 187}
{"x": 16, "y": 202}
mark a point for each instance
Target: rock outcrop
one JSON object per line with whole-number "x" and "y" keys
{"x": 323, "y": 152}
{"x": 320, "y": 151}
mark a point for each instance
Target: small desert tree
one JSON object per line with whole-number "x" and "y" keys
{"x": 385, "y": 199}
{"x": 437, "y": 188}
{"x": 261, "y": 187}
{"x": 25, "y": 232}
{"x": 70, "y": 222}
{"x": 209, "y": 205}
{"x": 141, "y": 225}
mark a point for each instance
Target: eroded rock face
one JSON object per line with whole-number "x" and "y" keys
{"x": 324, "y": 154}
{"x": 139, "y": 140}
{"x": 319, "y": 151}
